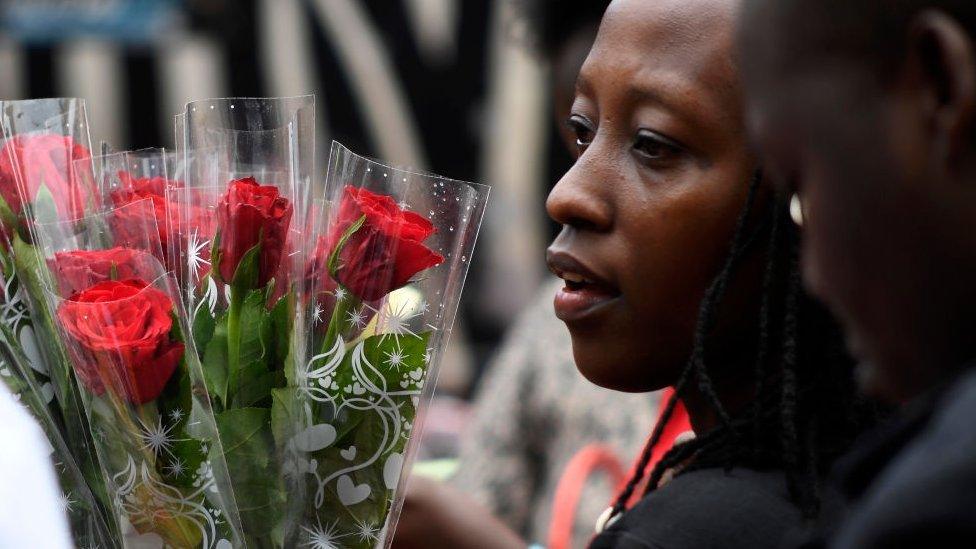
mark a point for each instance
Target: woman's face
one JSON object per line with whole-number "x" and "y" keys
{"x": 650, "y": 206}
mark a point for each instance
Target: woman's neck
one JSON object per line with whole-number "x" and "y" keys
{"x": 734, "y": 390}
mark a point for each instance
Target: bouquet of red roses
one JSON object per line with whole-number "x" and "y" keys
{"x": 42, "y": 140}
{"x": 250, "y": 175}
{"x": 119, "y": 315}
{"x": 142, "y": 462}
{"x": 382, "y": 283}
{"x": 216, "y": 362}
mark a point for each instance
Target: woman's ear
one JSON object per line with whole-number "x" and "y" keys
{"x": 944, "y": 62}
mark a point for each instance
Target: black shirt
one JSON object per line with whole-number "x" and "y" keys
{"x": 914, "y": 483}
{"x": 708, "y": 508}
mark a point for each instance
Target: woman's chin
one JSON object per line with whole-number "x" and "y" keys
{"x": 616, "y": 373}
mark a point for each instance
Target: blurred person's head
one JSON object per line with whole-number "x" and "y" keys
{"x": 866, "y": 110}
{"x": 681, "y": 263}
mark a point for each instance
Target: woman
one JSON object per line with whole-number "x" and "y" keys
{"x": 681, "y": 270}
{"x": 655, "y": 296}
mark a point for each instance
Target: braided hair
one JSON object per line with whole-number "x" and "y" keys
{"x": 806, "y": 410}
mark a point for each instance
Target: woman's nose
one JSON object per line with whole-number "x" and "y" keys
{"x": 581, "y": 198}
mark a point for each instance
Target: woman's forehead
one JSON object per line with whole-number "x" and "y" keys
{"x": 673, "y": 52}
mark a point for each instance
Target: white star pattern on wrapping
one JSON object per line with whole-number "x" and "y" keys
{"x": 357, "y": 318}
{"x": 340, "y": 293}
{"x": 158, "y": 438}
{"x": 323, "y": 538}
{"x": 396, "y": 320}
{"x": 195, "y": 260}
{"x": 317, "y": 314}
{"x": 66, "y": 502}
{"x": 394, "y": 358}
{"x": 403, "y": 205}
{"x": 175, "y": 415}
{"x": 176, "y": 469}
{"x": 366, "y": 532}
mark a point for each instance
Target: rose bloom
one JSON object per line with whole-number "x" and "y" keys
{"x": 144, "y": 185}
{"x": 119, "y": 334}
{"x": 77, "y": 270}
{"x": 386, "y": 252}
{"x": 44, "y": 159}
{"x": 250, "y": 214}
{"x": 146, "y": 188}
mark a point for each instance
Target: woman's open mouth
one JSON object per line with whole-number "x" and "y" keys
{"x": 585, "y": 293}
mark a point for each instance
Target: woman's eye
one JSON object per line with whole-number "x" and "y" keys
{"x": 656, "y": 147}
{"x": 582, "y": 131}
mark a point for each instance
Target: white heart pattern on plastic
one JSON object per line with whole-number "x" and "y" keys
{"x": 349, "y": 494}
{"x": 391, "y": 471}
{"x": 315, "y": 438}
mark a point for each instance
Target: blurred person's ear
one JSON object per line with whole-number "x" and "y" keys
{"x": 941, "y": 66}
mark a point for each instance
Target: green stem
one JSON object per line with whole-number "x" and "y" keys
{"x": 233, "y": 341}
{"x": 339, "y": 322}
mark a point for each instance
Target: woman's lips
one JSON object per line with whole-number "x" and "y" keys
{"x": 585, "y": 294}
{"x": 576, "y": 303}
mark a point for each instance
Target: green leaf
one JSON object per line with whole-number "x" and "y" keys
{"x": 248, "y": 445}
{"x": 285, "y": 418}
{"x": 255, "y": 385}
{"x": 215, "y": 257}
{"x": 334, "y": 256}
{"x": 44, "y": 207}
{"x": 30, "y": 266}
{"x": 255, "y": 329}
{"x": 412, "y": 350}
{"x": 366, "y": 430}
{"x": 203, "y": 327}
{"x": 198, "y": 424}
{"x": 185, "y": 451}
{"x": 177, "y": 395}
{"x": 282, "y": 322}
{"x": 248, "y": 271}
{"x": 176, "y": 332}
{"x": 215, "y": 361}
{"x": 7, "y": 216}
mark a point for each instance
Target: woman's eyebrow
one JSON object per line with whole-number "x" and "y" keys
{"x": 674, "y": 95}
{"x": 670, "y": 95}
{"x": 583, "y": 85}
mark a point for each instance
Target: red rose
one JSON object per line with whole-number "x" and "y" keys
{"x": 128, "y": 223}
{"x": 121, "y": 335}
{"x": 134, "y": 189}
{"x": 43, "y": 159}
{"x": 147, "y": 185}
{"x": 386, "y": 252}
{"x": 250, "y": 214}
{"x": 79, "y": 269}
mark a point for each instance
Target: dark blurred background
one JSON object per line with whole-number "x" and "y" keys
{"x": 448, "y": 86}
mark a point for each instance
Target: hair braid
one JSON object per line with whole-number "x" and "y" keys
{"x": 621, "y": 503}
{"x": 712, "y": 294}
{"x": 788, "y": 386}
